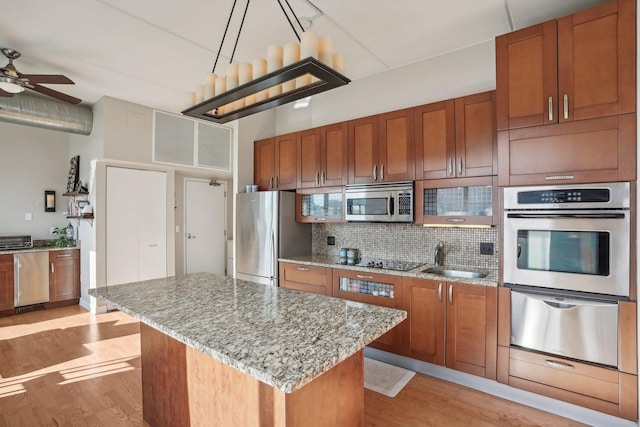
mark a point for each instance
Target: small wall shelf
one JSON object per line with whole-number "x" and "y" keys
{"x": 78, "y": 195}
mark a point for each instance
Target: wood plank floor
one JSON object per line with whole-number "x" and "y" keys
{"x": 65, "y": 367}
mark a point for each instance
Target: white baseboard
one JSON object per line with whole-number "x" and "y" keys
{"x": 93, "y": 306}
{"x": 564, "y": 409}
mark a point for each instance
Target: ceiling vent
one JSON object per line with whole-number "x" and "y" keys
{"x": 29, "y": 110}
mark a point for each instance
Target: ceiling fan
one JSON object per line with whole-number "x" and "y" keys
{"x": 12, "y": 81}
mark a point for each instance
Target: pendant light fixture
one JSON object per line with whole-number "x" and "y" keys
{"x": 291, "y": 72}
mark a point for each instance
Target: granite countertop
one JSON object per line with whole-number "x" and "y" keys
{"x": 38, "y": 249}
{"x": 282, "y": 337}
{"x": 327, "y": 261}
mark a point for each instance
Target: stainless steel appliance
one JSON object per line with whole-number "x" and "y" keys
{"x": 571, "y": 327}
{"x": 575, "y": 237}
{"x": 266, "y": 229}
{"x": 8, "y": 243}
{"x": 31, "y": 278}
{"x": 379, "y": 202}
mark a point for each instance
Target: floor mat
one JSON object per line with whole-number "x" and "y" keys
{"x": 384, "y": 378}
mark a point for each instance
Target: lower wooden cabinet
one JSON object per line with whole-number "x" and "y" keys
{"x": 452, "y": 324}
{"x": 6, "y": 282}
{"x": 378, "y": 289}
{"x": 306, "y": 278}
{"x": 64, "y": 275}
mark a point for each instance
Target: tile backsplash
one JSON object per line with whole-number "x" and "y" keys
{"x": 409, "y": 242}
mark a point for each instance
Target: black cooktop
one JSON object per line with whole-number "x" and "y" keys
{"x": 386, "y": 264}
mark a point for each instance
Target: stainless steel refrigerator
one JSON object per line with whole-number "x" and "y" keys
{"x": 266, "y": 229}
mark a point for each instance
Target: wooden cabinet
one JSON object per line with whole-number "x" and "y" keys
{"x": 596, "y": 387}
{"x": 6, "y": 282}
{"x": 306, "y": 278}
{"x": 322, "y": 156}
{"x": 377, "y": 289}
{"x": 464, "y": 314}
{"x": 64, "y": 275}
{"x": 579, "y": 67}
{"x": 275, "y": 163}
{"x": 319, "y": 205}
{"x": 456, "y": 138}
{"x": 381, "y": 148}
{"x": 595, "y": 150}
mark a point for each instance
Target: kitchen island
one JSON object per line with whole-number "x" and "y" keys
{"x": 220, "y": 351}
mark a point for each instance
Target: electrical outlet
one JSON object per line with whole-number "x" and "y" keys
{"x": 331, "y": 240}
{"x": 486, "y": 248}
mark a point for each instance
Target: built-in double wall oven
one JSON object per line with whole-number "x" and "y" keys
{"x": 566, "y": 259}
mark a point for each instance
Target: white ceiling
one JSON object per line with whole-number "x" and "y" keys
{"x": 153, "y": 52}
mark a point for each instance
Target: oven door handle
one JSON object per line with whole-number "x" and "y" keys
{"x": 570, "y": 216}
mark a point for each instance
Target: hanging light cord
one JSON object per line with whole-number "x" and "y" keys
{"x": 242, "y": 23}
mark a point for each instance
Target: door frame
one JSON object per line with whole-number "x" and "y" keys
{"x": 184, "y": 218}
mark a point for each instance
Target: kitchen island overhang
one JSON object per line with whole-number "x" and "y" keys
{"x": 293, "y": 354}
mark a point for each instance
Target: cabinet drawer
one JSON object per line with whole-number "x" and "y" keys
{"x": 600, "y": 383}
{"x": 64, "y": 254}
{"x": 305, "y": 274}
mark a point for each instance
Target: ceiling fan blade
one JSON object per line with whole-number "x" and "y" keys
{"x": 58, "y": 79}
{"x": 54, "y": 94}
{"x": 5, "y": 94}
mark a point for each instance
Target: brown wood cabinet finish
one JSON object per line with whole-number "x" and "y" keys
{"x": 435, "y": 139}
{"x": 64, "y": 275}
{"x": 275, "y": 163}
{"x": 397, "y": 146}
{"x": 317, "y": 280}
{"x": 6, "y": 282}
{"x": 476, "y": 138}
{"x": 579, "y": 67}
{"x": 394, "y": 341}
{"x": 452, "y": 325}
{"x": 323, "y": 156}
{"x": 264, "y": 166}
{"x": 595, "y": 150}
{"x": 364, "y": 152}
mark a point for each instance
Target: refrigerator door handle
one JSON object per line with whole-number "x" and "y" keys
{"x": 274, "y": 258}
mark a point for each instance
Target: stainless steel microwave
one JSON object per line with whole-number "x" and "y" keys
{"x": 379, "y": 202}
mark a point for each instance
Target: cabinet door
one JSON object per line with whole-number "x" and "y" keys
{"x": 334, "y": 155}
{"x": 309, "y": 158}
{"x": 526, "y": 77}
{"x": 306, "y": 278}
{"x": 64, "y": 275}
{"x": 435, "y": 140}
{"x": 264, "y": 157}
{"x": 6, "y": 282}
{"x": 364, "y": 156}
{"x": 472, "y": 329}
{"x": 397, "y": 146}
{"x": 424, "y": 301}
{"x": 476, "y": 153}
{"x": 286, "y": 170}
{"x": 596, "y": 61}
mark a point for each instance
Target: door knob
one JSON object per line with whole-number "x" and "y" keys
{"x": 190, "y": 236}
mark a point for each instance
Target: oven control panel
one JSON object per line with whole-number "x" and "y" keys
{"x": 578, "y": 195}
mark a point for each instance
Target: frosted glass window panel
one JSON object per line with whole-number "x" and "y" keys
{"x": 459, "y": 201}
{"x": 214, "y": 147}
{"x": 174, "y": 139}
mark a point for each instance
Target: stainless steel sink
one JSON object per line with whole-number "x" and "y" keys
{"x": 450, "y": 272}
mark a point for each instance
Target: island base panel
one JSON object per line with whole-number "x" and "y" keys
{"x": 183, "y": 386}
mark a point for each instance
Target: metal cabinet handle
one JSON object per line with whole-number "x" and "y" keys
{"x": 271, "y": 183}
{"x": 153, "y": 245}
{"x": 450, "y": 294}
{"x": 63, "y": 255}
{"x": 53, "y": 270}
{"x": 317, "y": 179}
{"x": 460, "y": 166}
{"x": 558, "y": 177}
{"x": 440, "y": 292}
{"x": 277, "y": 185}
{"x": 303, "y": 269}
{"x": 381, "y": 172}
{"x": 322, "y": 178}
{"x": 559, "y": 364}
{"x": 456, "y": 220}
{"x": 450, "y": 165}
{"x": 566, "y": 106}
{"x": 375, "y": 172}
{"x": 360, "y": 276}
{"x": 550, "y": 108}
{"x": 320, "y": 219}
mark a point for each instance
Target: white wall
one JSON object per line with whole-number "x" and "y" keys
{"x": 32, "y": 160}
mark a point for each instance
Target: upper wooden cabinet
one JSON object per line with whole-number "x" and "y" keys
{"x": 275, "y": 163}
{"x": 456, "y": 138}
{"x": 381, "y": 148}
{"x": 322, "y": 156}
{"x": 6, "y": 282}
{"x": 579, "y": 67}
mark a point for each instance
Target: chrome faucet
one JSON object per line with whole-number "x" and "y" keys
{"x": 439, "y": 256}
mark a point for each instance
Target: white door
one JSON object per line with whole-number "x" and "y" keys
{"x": 136, "y": 218}
{"x": 205, "y": 227}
